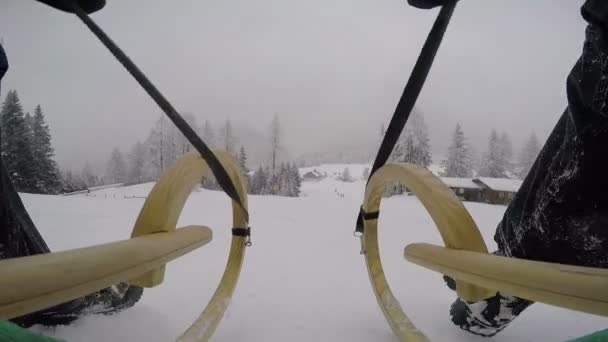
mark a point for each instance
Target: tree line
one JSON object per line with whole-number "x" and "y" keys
{"x": 28, "y": 155}
{"x": 497, "y": 161}
{"x": 148, "y": 160}
{"x": 276, "y": 177}
{"x": 27, "y": 152}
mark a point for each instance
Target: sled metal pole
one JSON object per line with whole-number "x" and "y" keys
{"x": 410, "y": 94}
{"x": 414, "y": 85}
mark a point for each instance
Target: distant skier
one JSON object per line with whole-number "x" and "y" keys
{"x": 560, "y": 214}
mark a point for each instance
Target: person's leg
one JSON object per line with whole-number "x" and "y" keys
{"x": 560, "y": 214}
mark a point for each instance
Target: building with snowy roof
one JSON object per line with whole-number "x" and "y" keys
{"x": 313, "y": 175}
{"x": 498, "y": 190}
{"x": 484, "y": 189}
{"x": 464, "y": 188}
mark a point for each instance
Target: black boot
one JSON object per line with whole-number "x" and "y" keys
{"x": 489, "y": 316}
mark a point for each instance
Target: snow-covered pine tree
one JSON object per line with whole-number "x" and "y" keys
{"x": 66, "y": 181}
{"x": 88, "y": 175}
{"x": 365, "y": 174}
{"x": 173, "y": 145}
{"x": 137, "y": 164}
{"x": 493, "y": 163}
{"x": 282, "y": 181}
{"x": 71, "y": 182}
{"x": 258, "y": 181}
{"x": 409, "y": 150}
{"x": 227, "y": 137}
{"x": 528, "y": 155}
{"x": 116, "y": 170}
{"x": 506, "y": 150}
{"x": 47, "y": 173}
{"x": 413, "y": 145}
{"x": 164, "y": 145}
{"x": 296, "y": 181}
{"x": 458, "y": 163}
{"x": 345, "y": 175}
{"x": 208, "y": 134}
{"x": 155, "y": 145}
{"x": 276, "y": 142}
{"x": 29, "y": 122}
{"x": 271, "y": 184}
{"x": 16, "y": 145}
{"x": 420, "y": 133}
{"x": 242, "y": 159}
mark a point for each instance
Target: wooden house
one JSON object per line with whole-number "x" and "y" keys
{"x": 465, "y": 188}
{"x": 497, "y": 190}
{"x": 313, "y": 175}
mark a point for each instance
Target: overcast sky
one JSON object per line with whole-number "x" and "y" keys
{"x": 332, "y": 69}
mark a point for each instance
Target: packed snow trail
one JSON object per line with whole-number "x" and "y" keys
{"x": 303, "y": 279}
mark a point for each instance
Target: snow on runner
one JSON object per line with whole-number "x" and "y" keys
{"x": 303, "y": 279}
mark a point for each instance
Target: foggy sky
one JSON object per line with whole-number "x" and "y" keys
{"x": 333, "y": 70}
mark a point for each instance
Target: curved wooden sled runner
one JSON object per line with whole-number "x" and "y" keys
{"x": 465, "y": 257}
{"x": 41, "y": 281}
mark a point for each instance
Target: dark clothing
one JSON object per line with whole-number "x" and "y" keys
{"x": 3, "y": 63}
{"x": 89, "y": 6}
{"x": 427, "y": 4}
{"x": 560, "y": 213}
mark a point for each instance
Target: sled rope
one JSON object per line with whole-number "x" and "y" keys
{"x": 218, "y": 171}
{"x": 410, "y": 93}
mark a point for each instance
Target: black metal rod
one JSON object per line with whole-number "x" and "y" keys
{"x": 410, "y": 95}
{"x": 414, "y": 85}
{"x": 214, "y": 164}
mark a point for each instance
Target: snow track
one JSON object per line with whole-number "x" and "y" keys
{"x": 303, "y": 279}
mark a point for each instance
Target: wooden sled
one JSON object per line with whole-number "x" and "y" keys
{"x": 37, "y": 282}
{"x": 465, "y": 257}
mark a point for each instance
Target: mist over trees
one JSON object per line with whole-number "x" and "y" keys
{"x": 89, "y": 177}
{"x": 527, "y": 155}
{"x": 29, "y": 156}
{"x": 137, "y": 164}
{"x": 496, "y": 161}
{"x": 275, "y": 141}
{"x": 345, "y": 176}
{"x": 413, "y": 145}
{"x": 208, "y": 134}
{"x": 116, "y": 170}
{"x": 227, "y": 138}
{"x": 277, "y": 177}
{"x": 459, "y": 162}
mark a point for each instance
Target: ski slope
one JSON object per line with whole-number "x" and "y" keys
{"x": 303, "y": 279}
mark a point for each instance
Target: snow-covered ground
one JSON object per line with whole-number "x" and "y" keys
{"x": 303, "y": 278}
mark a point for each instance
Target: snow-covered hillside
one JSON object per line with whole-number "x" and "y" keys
{"x": 303, "y": 279}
